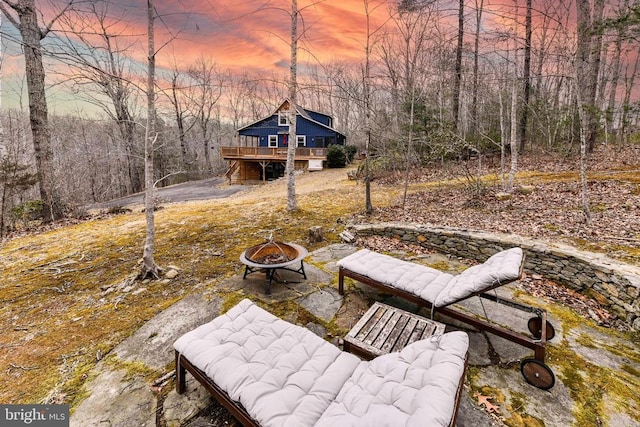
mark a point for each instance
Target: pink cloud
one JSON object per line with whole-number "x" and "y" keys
{"x": 239, "y": 34}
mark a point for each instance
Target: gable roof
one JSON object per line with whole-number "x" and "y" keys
{"x": 284, "y": 106}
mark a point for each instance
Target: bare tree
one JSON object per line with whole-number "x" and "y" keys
{"x": 413, "y": 24}
{"x": 26, "y": 21}
{"x": 589, "y": 47}
{"x": 458, "y": 67}
{"x": 366, "y": 88}
{"x": 476, "y": 48}
{"x": 513, "y": 136}
{"x": 16, "y": 175}
{"x": 180, "y": 115}
{"x": 97, "y": 53}
{"x": 206, "y": 90}
{"x": 292, "y": 204}
{"x": 629, "y": 81}
{"x": 149, "y": 267}
{"x": 526, "y": 80}
{"x": 583, "y": 94}
{"x": 615, "y": 78}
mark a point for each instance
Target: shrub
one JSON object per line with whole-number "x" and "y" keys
{"x": 336, "y": 157}
{"x": 350, "y": 151}
{"x": 28, "y": 211}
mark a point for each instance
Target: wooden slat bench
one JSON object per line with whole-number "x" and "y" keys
{"x": 383, "y": 329}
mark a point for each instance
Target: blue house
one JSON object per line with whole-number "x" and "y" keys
{"x": 261, "y": 151}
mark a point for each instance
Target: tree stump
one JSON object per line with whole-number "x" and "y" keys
{"x": 316, "y": 234}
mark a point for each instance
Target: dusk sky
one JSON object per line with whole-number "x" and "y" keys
{"x": 252, "y": 35}
{"x": 240, "y": 35}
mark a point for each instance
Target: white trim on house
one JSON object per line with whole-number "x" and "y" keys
{"x": 273, "y": 141}
{"x": 283, "y": 119}
{"x": 301, "y": 140}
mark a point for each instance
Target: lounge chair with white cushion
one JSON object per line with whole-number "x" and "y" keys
{"x": 269, "y": 372}
{"x": 438, "y": 290}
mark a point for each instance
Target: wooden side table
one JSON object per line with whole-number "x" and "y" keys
{"x": 383, "y": 329}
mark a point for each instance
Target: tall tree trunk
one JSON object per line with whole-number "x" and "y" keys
{"x": 583, "y": 91}
{"x": 589, "y": 47}
{"x": 458, "y": 66}
{"x": 476, "y": 47}
{"x": 526, "y": 77}
{"x": 626, "y": 105}
{"x": 513, "y": 137}
{"x": 583, "y": 158}
{"x": 179, "y": 120}
{"x": 503, "y": 138}
{"x": 38, "y": 113}
{"x": 149, "y": 267}
{"x": 292, "y": 204}
{"x": 615, "y": 78}
{"x": 542, "y": 54}
{"x": 409, "y": 148}
{"x": 366, "y": 87}
{"x": 2, "y": 142}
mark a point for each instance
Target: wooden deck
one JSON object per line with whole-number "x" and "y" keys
{"x": 266, "y": 153}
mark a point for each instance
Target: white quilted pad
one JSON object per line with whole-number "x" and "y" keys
{"x": 503, "y": 267}
{"x": 283, "y": 374}
{"x": 417, "y": 279}
{"x": 413, "y": 388}
{"x": 436, "y": 287}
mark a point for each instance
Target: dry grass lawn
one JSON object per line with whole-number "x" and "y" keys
{"x": 69, "y": 295}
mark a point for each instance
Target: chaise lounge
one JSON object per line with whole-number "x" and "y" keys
{"x": 438, "y": 290}
{"x": 269, "y": 372}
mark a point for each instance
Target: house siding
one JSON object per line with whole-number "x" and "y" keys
{"x": 311, "y": 130}
{"x": 319, "y": 117}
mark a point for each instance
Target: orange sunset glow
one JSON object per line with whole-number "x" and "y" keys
{"x": 253, "y": 36}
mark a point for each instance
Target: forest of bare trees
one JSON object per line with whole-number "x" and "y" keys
{"x": 436, "y": 80}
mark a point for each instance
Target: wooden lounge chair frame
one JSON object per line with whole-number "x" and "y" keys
{"x": 237, "y": 410}
{"x": 535, "y": 371}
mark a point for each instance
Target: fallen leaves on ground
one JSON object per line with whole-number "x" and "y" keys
{"x": 484, "y": 401}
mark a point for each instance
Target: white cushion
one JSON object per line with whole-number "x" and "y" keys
{"x": 415, "y": 387}
{"x": 283, "y": 374}
{"x": 434, "y": 286}
{"x": 416, "y": 279}
{"x": 503, "y": 267}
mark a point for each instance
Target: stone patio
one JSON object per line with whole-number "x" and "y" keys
{"x": 120, "y": 398}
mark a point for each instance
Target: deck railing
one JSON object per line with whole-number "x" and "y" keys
{"x": 271, "y": 153}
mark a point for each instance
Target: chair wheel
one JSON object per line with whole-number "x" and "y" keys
{"x": 535, "y": 327}
{"x": 537, "y": 374}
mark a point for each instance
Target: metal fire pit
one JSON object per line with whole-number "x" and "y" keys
{"x": 271, "y": 256}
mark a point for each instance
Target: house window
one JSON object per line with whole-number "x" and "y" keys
{"x": 283, "y": 119}
{"x": 273, "y": 141}
{"x": 301, "y": 140}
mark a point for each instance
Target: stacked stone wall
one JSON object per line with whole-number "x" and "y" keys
{"x": 613, "y": 284}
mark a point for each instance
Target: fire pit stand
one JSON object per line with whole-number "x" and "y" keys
{"x": 271, "y": 256}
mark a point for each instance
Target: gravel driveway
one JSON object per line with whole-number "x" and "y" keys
{"x": 193, "y": 190}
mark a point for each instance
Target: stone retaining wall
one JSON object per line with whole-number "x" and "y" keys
{"x": 615, "y": 285}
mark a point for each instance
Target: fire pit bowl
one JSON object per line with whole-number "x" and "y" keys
{"x": 271, "y": 256}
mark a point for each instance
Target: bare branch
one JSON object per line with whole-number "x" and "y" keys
{"x": 47, "y": 29}
{"x": 5, "y": 12}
